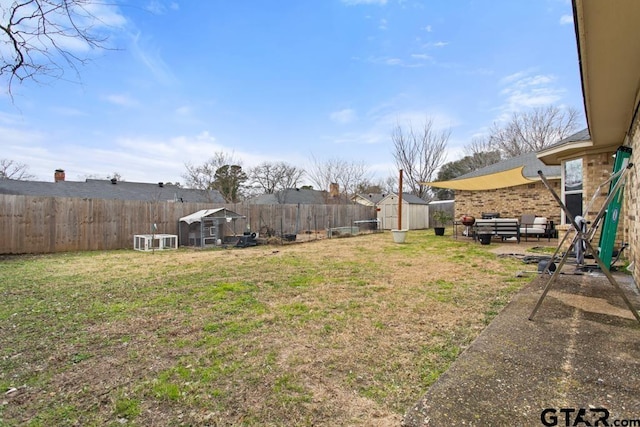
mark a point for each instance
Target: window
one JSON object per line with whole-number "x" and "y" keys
{"x": 572, "y": 189}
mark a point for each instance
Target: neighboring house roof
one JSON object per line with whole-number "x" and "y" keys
{"x": 553, "y": 154}
{"x": 371, "y": 199}
{"x": 511, "y": 172}
{"x": 105, "y": 189}
{"x": 406, "y": 198}
{"x": 291, "y": 196}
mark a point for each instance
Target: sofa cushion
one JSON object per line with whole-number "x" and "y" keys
{"x": 539, "y": 226}
{"x": 540, "y": 221}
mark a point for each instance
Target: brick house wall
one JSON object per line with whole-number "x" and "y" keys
{"x": 511, "y": 202}
{"x": 597, "y": 168}
{"x": 631, "y": 228}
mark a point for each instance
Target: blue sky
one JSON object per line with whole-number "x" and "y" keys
{"x": 286, "y": 80}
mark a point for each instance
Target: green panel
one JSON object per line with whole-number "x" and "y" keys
{"x": 612, "y": 213}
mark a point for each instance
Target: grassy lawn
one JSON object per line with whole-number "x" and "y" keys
{"x": 333, "y": 332}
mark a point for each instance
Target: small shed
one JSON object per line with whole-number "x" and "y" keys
{"x": 207, "y": 227}
{"x": 415, "y": 212}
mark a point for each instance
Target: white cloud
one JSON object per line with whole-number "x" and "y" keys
{"x": 69, "y": 112}
{"x": 383, "y": 24}
{"x": 185, "y": 110}
{"x": 122, "y": 100}
{"x": 398, "y": 62}
{"x": 435, "y": 44}
{"x": 566, "y": 19}
{"x": 11, "y": 119}
{"x": 428, "y": 28}
{"x": 153, "y": 61}
{"x": 155, "y": 7}
{"x": 421, "y": 56}
{"x": 137, "y": 158}
{"x": 523, "y": 90}
{"x": 376, "y": 128}
{"x": 416, "y": 118}
{"x": 17, "y": 137}
{"x": 107, "y": 15}
{"x": 523, "y": 81}
{"x": 158, "y": 7}
{"x": 344, "y": 116}
{"x": 367, "y": 137}
{"x": 97, "y": 20}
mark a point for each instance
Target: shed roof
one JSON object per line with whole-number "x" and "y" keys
{"x": 105, "y": 189}
{"x": 218, "y": 212}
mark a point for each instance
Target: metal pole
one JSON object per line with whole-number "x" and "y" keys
{"x": 400, "y": 202}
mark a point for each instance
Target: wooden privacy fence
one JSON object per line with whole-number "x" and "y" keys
{"x": 48, "y": 224}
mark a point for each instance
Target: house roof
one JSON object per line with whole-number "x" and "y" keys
{"x": 105, "y": 189}
{"x": 218, "y": 213}
{"x": 608, "y": 43}
{"x": 371, "y": 197}
{"x": 511, "y": 172}
{"x": 570, "y": 147}
{"x": 407, "y": 198}
{"x": 291, "y": 196}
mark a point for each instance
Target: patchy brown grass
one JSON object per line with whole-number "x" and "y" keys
{"x": 330, "y": 332}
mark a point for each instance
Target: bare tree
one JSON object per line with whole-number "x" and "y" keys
{"x": 203, "y": 176}
{"x": 533, "y": 130}
{"x": 479, "y": 144}
{"x": 271, "y": 177}
{"x": 419, "y": 153}
{"x": 10, "y": 169}
{"x": 41, "y": 37}
{"x": 368, "y": 186}
{"x": 478, "y": 154}
{"x": 390, "y": 184}
{"x": 347, "y": 174}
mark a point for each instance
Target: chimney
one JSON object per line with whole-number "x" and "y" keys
{"x": 334, "y": 190}
{"x": 58, "y": 175}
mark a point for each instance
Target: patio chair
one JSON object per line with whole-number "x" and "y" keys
{"x": 538, "y": 227}
{"x": 526, "y": 220}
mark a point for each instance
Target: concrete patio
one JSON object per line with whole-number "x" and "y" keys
{"x": 576, "y": 362}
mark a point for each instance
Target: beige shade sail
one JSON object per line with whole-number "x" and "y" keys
{"x": 504, "y": 179}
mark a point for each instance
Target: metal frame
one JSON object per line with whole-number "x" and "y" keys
{"x": 584, "y": 235}
{"x": 157, "y": 242}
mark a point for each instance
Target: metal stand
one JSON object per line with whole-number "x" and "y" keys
{"x": 584, "y": 233}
